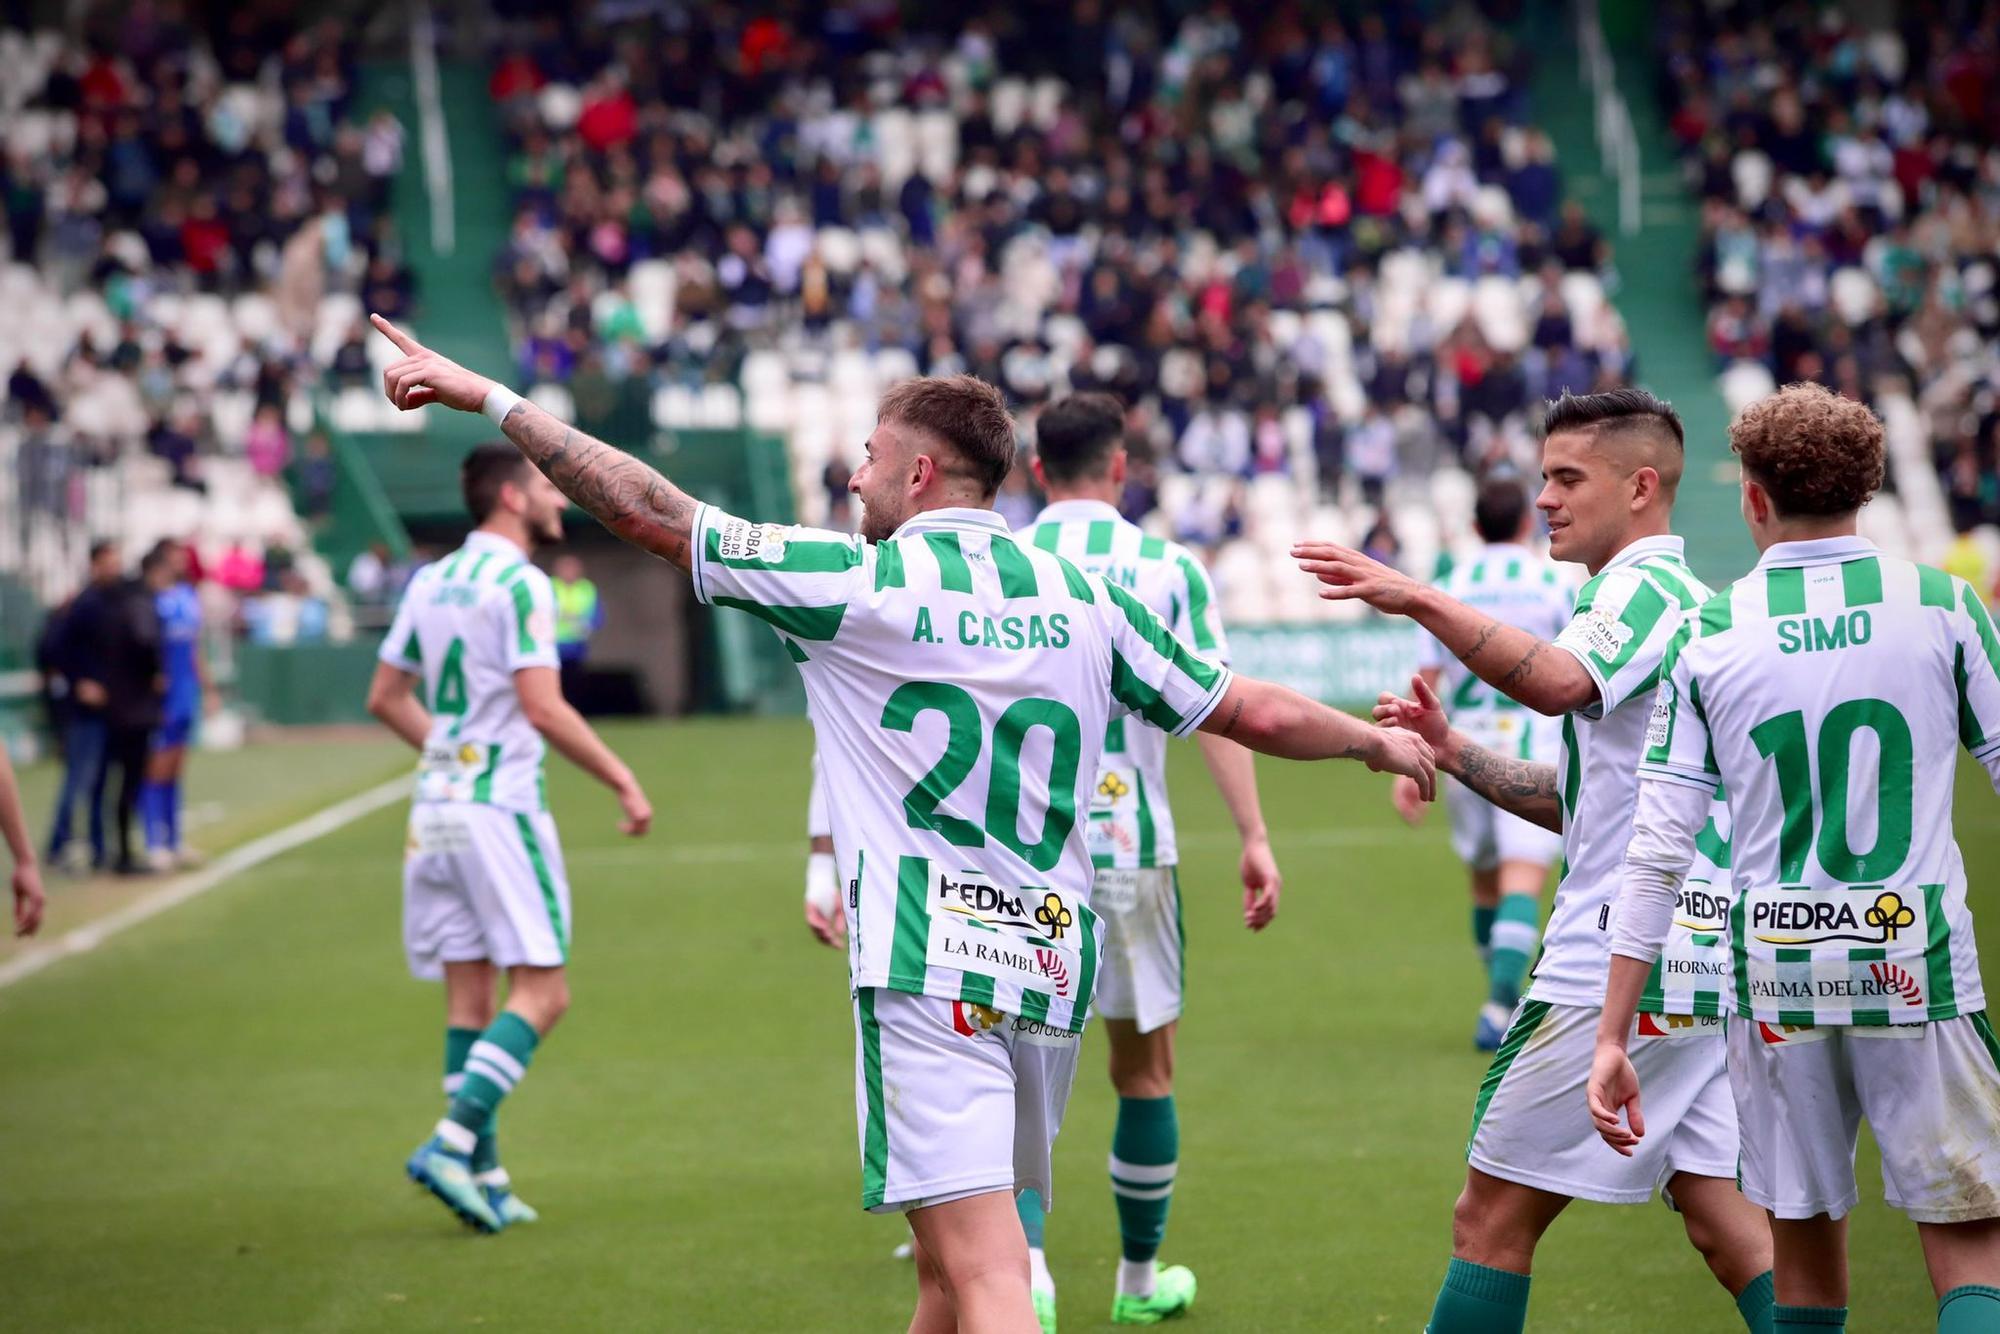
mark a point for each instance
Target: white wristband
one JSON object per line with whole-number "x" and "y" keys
{"x": 500, "y": 400}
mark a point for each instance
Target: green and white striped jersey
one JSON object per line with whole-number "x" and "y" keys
{"x": 1516, "y": 587}
{"x": 959, "y": 683}
{"x": 466, "y": 624}
{"x": 1624, "y": 619}
{"x": 1131, "y": 823}
{"x": 1829, "y": 689}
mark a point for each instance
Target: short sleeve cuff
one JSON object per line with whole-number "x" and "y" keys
{"x": 698, "y": 557}
{"x": 1200, "y": 713}
{"x": 1682, "y": 776}
{"x": 1595, "y": 709}
{"x": 391, "y": 657}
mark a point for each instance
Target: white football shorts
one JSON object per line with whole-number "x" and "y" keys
{"x": 1930, "y": 1092}
{"x": 480, "y": 882}
{"x": 1483, "y": 835}
{"x": 954, "y": 1099}
{"x": 1531, "y": 1123}
{"x": 1142, "y": 971}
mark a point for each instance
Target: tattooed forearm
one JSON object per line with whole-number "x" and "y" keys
{"x": 1234, "y": 714}
{"x": 626, "y": 496}
{"x": 1523, "y": 787}
{"x": 1523, "y": 669}
{"x": 1486, "y": 632}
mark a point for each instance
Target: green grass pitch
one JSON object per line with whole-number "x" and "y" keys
{"x": 202, "y": 1123}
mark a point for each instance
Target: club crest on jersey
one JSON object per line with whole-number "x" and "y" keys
{"x": 1604, "y": 634}
{"x": 1053, "y": 916}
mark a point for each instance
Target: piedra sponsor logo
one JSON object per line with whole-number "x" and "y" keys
{"x": 1808, "y": 920}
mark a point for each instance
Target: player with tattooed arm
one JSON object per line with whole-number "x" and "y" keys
{"x": 1610, "y": 465}
{"x": 960, "y": 684}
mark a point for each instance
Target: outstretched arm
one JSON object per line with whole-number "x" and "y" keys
{"x": 1281, "y": 722}
{"x": 1522, "y": 787}
{"x": 631, "y": 499}
{"x": 1511, "y": 660}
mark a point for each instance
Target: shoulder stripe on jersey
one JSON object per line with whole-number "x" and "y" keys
{"x": 1097, "y": 538}
{"x": 1142, "y": 699}
{"x": 1152, "y": 548}
{"x": 1670, "y": 579}
{"x": 524, "y": 607}
{"x": 817, "y": 623}
{"x": 1477, "y": 574}
{"x": 954, "y": 575}
{"x": 1933, "y": 587}
{"x": 1718, "y": 613}
{"x": 509, "y": 572}
{"x": 1785, "y": 591}
{"x": 450, "y": 570}
{"x": 1647, "y": 605}
{"x": 1149, "y": 627}
{"x": 413, "y": 648}
{"x": 1513, "y": 570}
{"x": 1701, "y": 711}
{"x": 1982, "y": 624}
{"x": 1549, "y": 578}
{"x": 1048, "y": 536}
{"x": 800, "y": 557}
{"x": 1587, "y": 595}
{"x": 888, "y": 566}
{"x": 472, "y": 575}
{"x": 1197, "y": 582}
{"x": 1076, "y": 581}
{"x": 1017, "y": 572}
{"x": 1861, "y": 581}
{"x": 1971, "y": 734}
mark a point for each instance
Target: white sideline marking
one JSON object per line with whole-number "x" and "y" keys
{"x": 182, "y": 888}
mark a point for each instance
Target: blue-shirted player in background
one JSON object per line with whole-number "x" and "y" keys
{"x": 186, "y": 683}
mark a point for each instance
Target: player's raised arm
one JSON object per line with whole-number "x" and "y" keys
{"x": 1526, "y": 788}
{"x": 1513, "y": 661}
{"x": 631, "y": 499}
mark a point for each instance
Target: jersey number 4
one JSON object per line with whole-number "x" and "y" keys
{"x": 450, "y": 700}
{"x": 964, "y": 743}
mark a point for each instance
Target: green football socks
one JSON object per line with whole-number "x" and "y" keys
{"x": 496, "y": 1062}
{"x": 1754, "y": 1303}
{"x": 1807, "y": 1319}
{"x": 1478, "y": 1300}
{"x": 1482, "y": 929}
{"x": 1145, "y": 1152}
{"x": 1969, "y": 1310}
{"x": 457, "y": 1046}
{"x": 1034, "y": 1218}
{"x": 1516, "y": 925}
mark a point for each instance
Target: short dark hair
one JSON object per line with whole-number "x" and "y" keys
{"x": 965, "y": 413}
{"x": 485, "y": 470}
{"x": 1076, "y": 436}
{"x": 1498, "y": 512}
{"x": 1812, "y": 450}
{"x": 1615, "y": 409}
{"x": 100, "y": 546}
{"x": 157, "y": 555}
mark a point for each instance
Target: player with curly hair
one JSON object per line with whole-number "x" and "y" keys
{"x": 1828, "y": 691}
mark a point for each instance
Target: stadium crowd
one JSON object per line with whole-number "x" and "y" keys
{"x": 181, "y": 201}
{"x": 1301, "y": 250}
{"x": 1850, "y": 195}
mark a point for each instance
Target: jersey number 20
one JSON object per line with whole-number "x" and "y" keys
{"x": 963, "y": 745}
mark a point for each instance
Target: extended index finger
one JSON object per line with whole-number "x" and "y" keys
{"x": 403, "y": 341}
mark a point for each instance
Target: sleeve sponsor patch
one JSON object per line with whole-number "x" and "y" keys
{"x": 1660, "y": 725}
{"x": 1602, "y": 633}
{"x": 740, "y": 540}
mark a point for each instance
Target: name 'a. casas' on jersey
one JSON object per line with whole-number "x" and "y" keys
{"x": 960, "y": 685}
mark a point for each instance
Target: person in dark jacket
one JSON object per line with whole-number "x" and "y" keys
{"x": 77, "y": 702}
{"x": 134, "y": 687}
